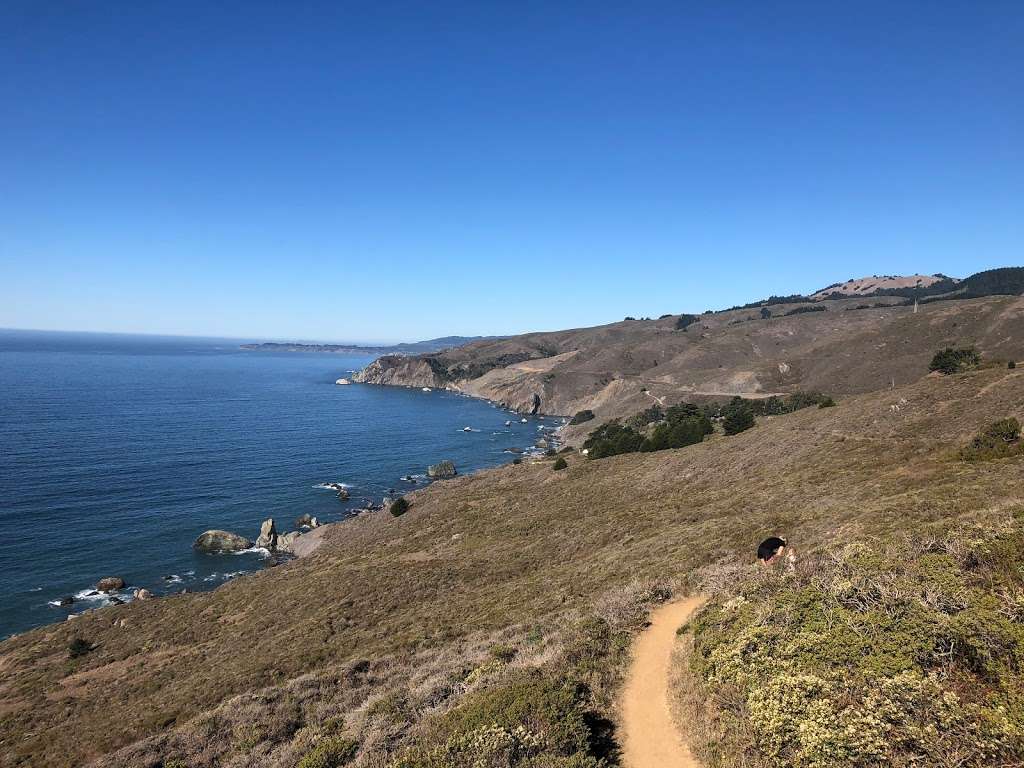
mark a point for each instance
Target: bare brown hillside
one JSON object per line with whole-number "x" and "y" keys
{"x": 618, "y": 369}
{"x": 316, "y": 644}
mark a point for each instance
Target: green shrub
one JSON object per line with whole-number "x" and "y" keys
{"x": 998, "y": 440}
{"x": 1011, "y": 365}
{"x": 685, "y": 320}
{"x": 804, "y": 310}
{"x": 399, "y": 507}
{"x": 826, "y": 402}
{"x": 174, "y": 762}
{"x": 953, "y": 360}
{"x": 645, "y": 417}
{"x": 78, "y": 647}
{"x": 582, "y": 417}
{"x": 517, "y": 460}
{"x": 332, "y": 752}
{"x": 532, "y": 720}
{"x": 904, "y": 655}
{"x": 612, "y": 439}
{"x": 738, "y": 416}
{"x": 550, "y": 452}
{"x": 560, "y": 463}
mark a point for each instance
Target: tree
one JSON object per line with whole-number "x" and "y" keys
{"x": 953, "y": 360}
{"x": 739, "y": 417}
{"x": 560, "y": 463}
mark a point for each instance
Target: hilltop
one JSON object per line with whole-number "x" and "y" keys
{"x": 839, "y": 346}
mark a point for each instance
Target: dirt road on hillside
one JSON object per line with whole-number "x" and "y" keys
{"x": 650, "y": 738}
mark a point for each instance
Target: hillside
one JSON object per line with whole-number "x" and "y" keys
{"x": 846, "y": 347}
{"x": 497, "y": 611}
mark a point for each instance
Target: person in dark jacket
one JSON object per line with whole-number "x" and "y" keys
{"x": 771, "y": 550}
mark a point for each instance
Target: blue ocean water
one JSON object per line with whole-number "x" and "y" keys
{"x": 117, "y": 451}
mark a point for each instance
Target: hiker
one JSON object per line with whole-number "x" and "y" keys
{"x": 771, "y": 550}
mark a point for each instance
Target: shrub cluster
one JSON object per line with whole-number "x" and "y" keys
{"x": 679, "y": 426}
{"x": 996, "y": 441}
{"x": 911, "y": 654}
{"x": 560, "y": 463}
{"x": 399, "y": 506}
{"x": 78, "y": 647}
{"x": 582, "y": 417}
{"x": 804, "y": 310}
{"x": 333, "y": 752}
{"x": 685, "y": 320}
{"x": 953, "y": 360}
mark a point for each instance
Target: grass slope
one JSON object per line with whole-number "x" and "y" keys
{"x": 511, "y": 591}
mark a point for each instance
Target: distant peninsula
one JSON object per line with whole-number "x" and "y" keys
{"x": 407, "y": 348}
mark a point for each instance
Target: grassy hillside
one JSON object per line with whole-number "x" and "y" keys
{"x": 851, "y": 346}
{"x": 496, "y": 613}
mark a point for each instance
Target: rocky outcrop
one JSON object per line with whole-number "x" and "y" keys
{"x": 306, "y": 521}
{"x": 443, "y": 470}
{"x": 268, "y": 535}
{"x": 142, "y": 594}
{"x": 286, "y": 542}
{"x": 221, "y": 541}
{"x": 396, "y": 370}
{"x": 110, "y": 584}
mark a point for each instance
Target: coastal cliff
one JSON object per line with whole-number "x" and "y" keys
{"x": 841, "y": 346}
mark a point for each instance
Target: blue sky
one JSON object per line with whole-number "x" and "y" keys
{"x": 384, "y": 171}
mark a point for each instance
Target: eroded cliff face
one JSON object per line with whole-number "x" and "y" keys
{"x": 400, "y": 371}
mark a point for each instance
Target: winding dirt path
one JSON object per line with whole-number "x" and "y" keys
{"x": 650, "y": 737}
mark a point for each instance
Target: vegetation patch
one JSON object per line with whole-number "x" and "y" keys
{"x": 998, "y": 440}
{"x": 333, "y": 752}
{"x": 560, "y": 463}
{"x": 399, "y": 506}
{"x": 954, "y": 360}
{"x": 909, "y": 654}
{"x": 582, "y": 417}
{"x": 676, "y": 427}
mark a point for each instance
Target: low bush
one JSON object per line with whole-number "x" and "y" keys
{"x": 332, "y": 752}
{"x": 804, "y": 310}
{"x": 550, "y": 452}
{"x": 399, "y": 507}
{"x": 826, "y": 402}
{"x": 581, "y": 417}
{"x": 530, "y": 720}
{"x": 953, "y": 360}
{"x": 1011, "y": 365}
{"x": 904, "y": 654}
{"x": 78, "y": 647}
{"x": 560, "y": 463}
{"x": 998, "y": 440}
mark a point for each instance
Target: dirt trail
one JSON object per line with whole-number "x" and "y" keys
{"x": 650, "y": 737}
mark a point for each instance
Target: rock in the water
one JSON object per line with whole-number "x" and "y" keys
{"x": 314, "y": 522}
{"x": 142, "y": 594}
{"x": 110, "y": 584}
{"x": 67, "y": 600}
{"x": 542, "y": 443}
{"x": 268, "y": 535}
{"x": 343, "y": 382}
{"x": 116, "y": 601}
{"x": 343, "y": 494}
{"x": 306, "y": 521}
{"x": 442, "y": 470}
{"x": 221, "y": 541}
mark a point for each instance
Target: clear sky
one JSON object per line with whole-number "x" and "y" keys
{"x": 384, "y": 171}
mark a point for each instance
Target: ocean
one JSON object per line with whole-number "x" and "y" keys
{"x": 116, "y": 452}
